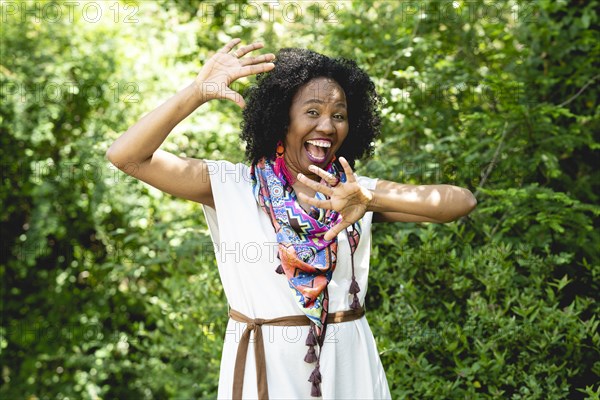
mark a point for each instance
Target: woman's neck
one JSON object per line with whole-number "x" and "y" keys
{"x": 299, "y": 187}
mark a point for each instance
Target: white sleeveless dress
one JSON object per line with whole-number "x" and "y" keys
{"x": 246, "y": 253}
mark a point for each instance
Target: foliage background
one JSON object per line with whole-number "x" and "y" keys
{"x": 110, "y": 288}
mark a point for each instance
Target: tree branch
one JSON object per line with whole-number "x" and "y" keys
{"x": 564, "y": 103}
{"x": 494, "y": 161}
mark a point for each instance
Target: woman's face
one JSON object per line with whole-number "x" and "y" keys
{"x": 318, "y": 125}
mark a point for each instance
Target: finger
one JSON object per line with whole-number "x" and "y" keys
{"x": 319, "y": 187}
{"x": 255, "y": 69}
{"x": 264, "y": 58}
{"x": 235, "y": 97}
{"x": 227, "y": 48}
{"x": 333, "y": 232}
{"x": 348, "y": 170}
{"x": 329, "y": 178}
{"x": 326, "y": 204}
{"x": 242, "y": 51}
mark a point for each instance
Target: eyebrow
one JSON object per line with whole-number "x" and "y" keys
{"x": 319, "y": 101}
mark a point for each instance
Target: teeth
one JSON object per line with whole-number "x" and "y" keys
{"x": 319, "y": 143}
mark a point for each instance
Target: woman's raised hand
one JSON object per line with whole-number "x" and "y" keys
{"x": 228, "y": 65}
{"x": 348, "y": 198}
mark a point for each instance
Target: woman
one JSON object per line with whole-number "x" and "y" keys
{"x": 292, "y": 231}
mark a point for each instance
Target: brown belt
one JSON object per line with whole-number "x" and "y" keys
{"x": 259, "y": 348}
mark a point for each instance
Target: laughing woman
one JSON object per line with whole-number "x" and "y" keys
{"x": 299, "y": 203}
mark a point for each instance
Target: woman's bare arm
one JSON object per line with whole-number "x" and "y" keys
{"x": 396, "y": 202}
{"x": 137, "y": 152}
{"x": 390, "y": 201}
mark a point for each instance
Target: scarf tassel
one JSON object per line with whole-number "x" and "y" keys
{"x": 315, "y": 379}
{"x": 311, "y": 355}
{"x": 354, "y": 288}
{"x": 355, "y": 303}
{"x": 311, "y": 342}
{"x": 315, "y": 390}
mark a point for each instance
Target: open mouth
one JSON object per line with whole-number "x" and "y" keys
{"x": 317, "y": 150}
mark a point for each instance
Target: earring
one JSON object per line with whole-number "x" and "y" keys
{"x": 280, "y": 168}
{"x": 280, "y": 150}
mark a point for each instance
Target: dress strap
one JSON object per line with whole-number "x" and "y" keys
{"x": 259, "y": 348}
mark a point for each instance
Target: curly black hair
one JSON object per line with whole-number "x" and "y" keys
{"x": 266, "y": 115}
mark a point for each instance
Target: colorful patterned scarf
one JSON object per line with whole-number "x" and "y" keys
{"x": 307, "y": 259}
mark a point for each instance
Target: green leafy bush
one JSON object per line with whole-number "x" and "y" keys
{"x": 110, "y": 288}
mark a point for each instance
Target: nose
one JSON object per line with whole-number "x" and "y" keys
{"x": 325, "y": 125}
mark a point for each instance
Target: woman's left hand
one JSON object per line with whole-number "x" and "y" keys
{"x": 348, "y": 198}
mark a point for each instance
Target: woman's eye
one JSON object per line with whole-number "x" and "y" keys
{"x": 313, "y": 112}
{"x": 339, "y": 116}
